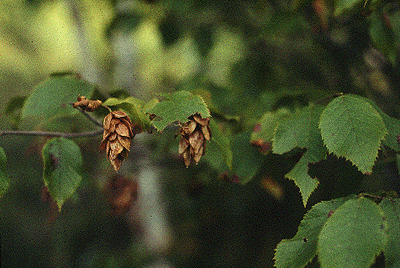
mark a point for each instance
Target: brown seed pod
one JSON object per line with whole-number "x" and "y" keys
{"x": 194, "y": 134}
{"x": 117, "y": 137}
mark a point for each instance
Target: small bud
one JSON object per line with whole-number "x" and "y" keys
{"x": 87, "y": 105}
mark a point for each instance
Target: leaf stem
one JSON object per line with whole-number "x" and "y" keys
{"x": 51, "y": 133}
{"x": 94, "y": 121}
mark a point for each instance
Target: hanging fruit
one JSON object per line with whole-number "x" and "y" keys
{"x": 117, "y": 137}
{"x": 194, "y": 134}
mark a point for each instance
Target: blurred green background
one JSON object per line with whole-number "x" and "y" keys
{"x": 245, "y": 58}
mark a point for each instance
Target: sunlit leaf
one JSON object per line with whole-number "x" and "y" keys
{"x": 341, "y": 6}
{"x": 52, "y": 98}
{"x": 177, "y": 106}
{"x": 134, "y": 107}
{"x": 352, "y": 128}
{"x": 302, "y": 248}
{"x": 353, "y": 236}
{"x": 62, "y": 162}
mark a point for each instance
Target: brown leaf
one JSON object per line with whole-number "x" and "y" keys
{"x": 206, "y": 132}
{"x": 196, "y": 140}
{"x": 120, "y": 114}
{"x": 115, "y": 149}
{"x": 186, "y": 157}
{"x": 116, "y": 163}
{"x": 191, "y": 126}
{"x": 112, "y": 137}
{"x": 87, "y": 105}
{"x": 107, "y": 121}
{"x": 183, "y": 145}
{"x": 123, "y": 130}
{"x": 125, "y": 142}
{"x": 201, "y": 121}
{"x": 198, "y": 155}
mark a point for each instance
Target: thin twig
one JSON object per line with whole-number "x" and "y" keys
{"x": 97, "y": 123}
{"x": 51, "y": 133}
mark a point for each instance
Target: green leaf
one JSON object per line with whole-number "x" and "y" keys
{"x": 382, "y": 36}
{"x": 178, "y": 106}
{"x": 219, "y": 153}
{"x": 266, "y": 127}
{"x": 13, "y": 109}
{"x": 301, "y": 130}
{"x": 392, "y": 125}
{"x": 134, "y": 107}
{"x": 342, "y": 6}
{"x": 62, "y": 162}
{"x": 247, "y": 160}
{"x": 4, "y": 179}
{"x": 391, "y": 210}
{"x": 51, "y": 98}
{"x": 352, "y": 128}
{"x": 302, "y": 248}
{"x": 353, "y": 236}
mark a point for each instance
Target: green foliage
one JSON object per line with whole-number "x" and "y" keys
{"x": 344, "y": 241}
{"x": 52, "y": 98}
{"x": 135, "y": 108}
{"x": 302, "y": 248}
{"x": 4, "y": 179}
{"x": 391, "y": 211}
{"x": 342, "y": 6}
{"x": 247, "y": 160}
{"x": 352, "y": 128}
{"x": 301, "y": 130}
{"x": 177, "y": 106}
{"x": 270, "y": 66}
{"x": 344, "y": 232}
{"x": 14, "y": 108}
{"x": 219, "y": 152}
{"x": 62, "y": 163}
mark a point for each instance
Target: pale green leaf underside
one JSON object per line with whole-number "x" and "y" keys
{"x": 391, "y": 210}
{"x": 178, "y": 106}
{"x": 352, "y": 128}
{"x": 52, "y": 98}
{"x": 62, "y": 162}
{"x": 302, "y": 248}
{"x": 4, "y": 179}
{"x": 353, "y": 236}
{"x": 133, "y": 107}
{"x": 301, "y": 130}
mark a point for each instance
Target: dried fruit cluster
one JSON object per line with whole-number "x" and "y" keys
{"x": 117, "y": 136}
{"x": 194, "y": 134}
{"x": 87, "y": 105}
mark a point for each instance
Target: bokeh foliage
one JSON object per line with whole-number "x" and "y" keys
{"x": 249, "y": 61}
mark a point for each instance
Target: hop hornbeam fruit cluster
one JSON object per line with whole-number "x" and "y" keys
{"x": 87, "y": 105}
{"x": 117, "y": 136}
{"x": 194, "y": 134}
